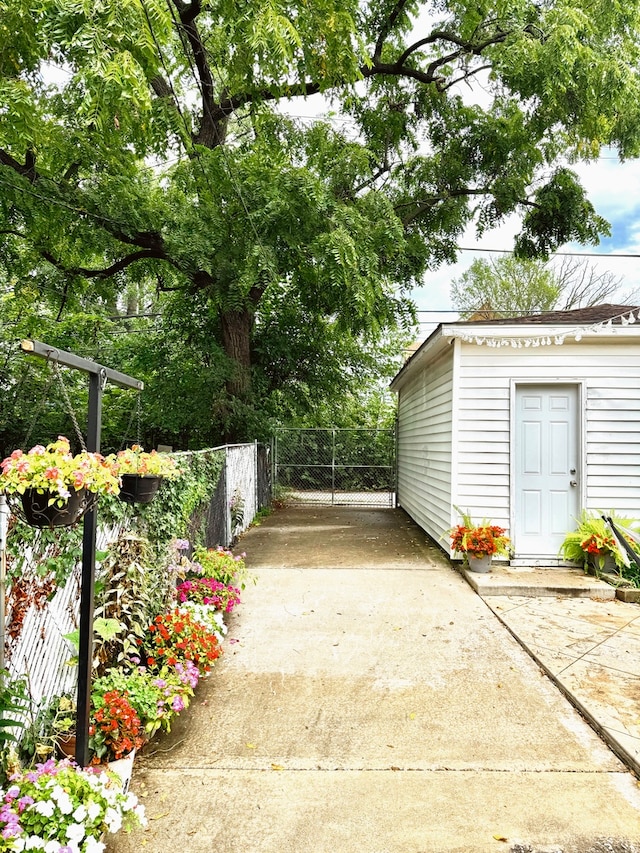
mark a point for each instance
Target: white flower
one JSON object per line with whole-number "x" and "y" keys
{"x": 94, "y": 810}
{"x": 45, "y": 807}
{"x": 62, "y": 799}
{"x": 75, "y": 832}
{"x": 113, "y": 820}
{"x": 34, "y": 842}
{"x": 130, "y": 802}
{"x": 92, "y": 845}
{"x": 52, "y": 847}
{"x": 80, "y": 813}
{"x": 19, "y": 843}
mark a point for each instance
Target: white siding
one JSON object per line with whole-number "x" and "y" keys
{"x": 425, "y": 446}
{"x": 611, "y": 372}
{"x": 613, "y": 438}
{"x": 454, "y": 447}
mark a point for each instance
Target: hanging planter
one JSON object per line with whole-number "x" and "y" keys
{"x": 50, "y": 487}
{"x": 38, "y": 512}
{"x": 139, "y": 488}
{"x": 141, "y": 472}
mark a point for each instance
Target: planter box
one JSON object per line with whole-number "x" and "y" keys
{"x": 123, "y": 767}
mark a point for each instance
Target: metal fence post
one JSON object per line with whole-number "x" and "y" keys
{"x": 4, "y": 526}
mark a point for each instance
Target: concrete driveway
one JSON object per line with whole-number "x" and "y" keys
{"x": 369, "y": 701}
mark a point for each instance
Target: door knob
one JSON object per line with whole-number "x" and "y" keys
{"x": 573, "y": 482}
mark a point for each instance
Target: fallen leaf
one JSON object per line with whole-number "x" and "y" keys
{"x": 500, "y": 838}
{"x": 277, "y": 767}
{"x": 394, "y": 768}
{"x": 250, "y": 745}
{"x": 158, "y": 816}
{"x": 412, "y": 716}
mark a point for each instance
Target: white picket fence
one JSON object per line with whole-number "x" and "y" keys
{"x": 41, "y": 652}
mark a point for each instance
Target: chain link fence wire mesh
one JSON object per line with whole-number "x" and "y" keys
{"x": 40, "y": 651}
{"x": 355, "y": 467}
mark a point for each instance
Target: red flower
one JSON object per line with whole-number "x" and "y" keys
{"x": 179, "y": 637}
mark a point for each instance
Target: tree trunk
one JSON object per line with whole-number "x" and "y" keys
{"x": 236, "y": 340}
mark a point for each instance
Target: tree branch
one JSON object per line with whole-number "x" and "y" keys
{"x": 423, "y": 205}
{"x": 28, "y": 170}
{"x": 213, "y": 125}
{"x": 386, "y": 28}
{"x": 116, "y": 267}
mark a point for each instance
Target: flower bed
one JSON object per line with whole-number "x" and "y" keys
{"x": 57, "y": 807}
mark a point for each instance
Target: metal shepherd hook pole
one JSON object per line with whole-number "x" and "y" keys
{"x": 98, "y": 377}
{"x": 4, "y": 526}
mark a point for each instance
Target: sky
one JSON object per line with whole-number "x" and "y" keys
{"x": 614, "y": 190}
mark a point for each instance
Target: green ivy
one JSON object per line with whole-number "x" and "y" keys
{"x": 180, "y": 508}
{"x": 43, "y": 551}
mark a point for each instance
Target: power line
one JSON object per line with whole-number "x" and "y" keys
{"x": 554, "y": 254}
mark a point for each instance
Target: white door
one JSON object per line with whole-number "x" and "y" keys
{"x": 547, "y": 475}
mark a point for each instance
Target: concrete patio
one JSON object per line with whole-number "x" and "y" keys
{"x": 370, "y": 701}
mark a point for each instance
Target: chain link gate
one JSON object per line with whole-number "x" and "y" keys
{"x": 355, "y": 467}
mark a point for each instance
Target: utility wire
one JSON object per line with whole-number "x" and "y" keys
{"x": 553, "y": 254}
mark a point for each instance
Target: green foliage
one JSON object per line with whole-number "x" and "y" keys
{"x": 132, "y": 585}
{"x": 55, "y": 719}
{"x": 50, "y": 553}
{"x": 143, "y": 169}
{"x": 182, "y": 503}
{"x": 593, "y": 540}
{"x": 14, "y": 701}
{"x": 14, "y": 719}
{"x": 221, "y": 565}
{"x": 505, "y": 287}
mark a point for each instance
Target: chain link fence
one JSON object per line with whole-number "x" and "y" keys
{"x": 39, "y": 649}
{"x": 336, "y": 466}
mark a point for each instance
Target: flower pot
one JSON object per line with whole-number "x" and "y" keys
{"x": 66, "y": 745}
{"x": 123, "y": 767}
{"x": 38, "y": 513}
{"x": 479, "y": 562}
{"x": 608, "y": 566}
{"x": 139, "y": 488}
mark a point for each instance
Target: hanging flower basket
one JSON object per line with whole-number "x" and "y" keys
{"x": 50, "y": 487}
{"x": 139, "y": 488}
{"x": 141, "y": 472}
{"x": 37, "y": 511}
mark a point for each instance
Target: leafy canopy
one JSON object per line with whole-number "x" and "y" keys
{"x": 146, "y": 144}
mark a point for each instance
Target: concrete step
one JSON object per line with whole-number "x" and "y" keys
{"x": 537, "y": 582}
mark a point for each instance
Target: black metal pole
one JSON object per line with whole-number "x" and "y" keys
{"x": 90, "y": 527}
{"x": 98, "y": 377}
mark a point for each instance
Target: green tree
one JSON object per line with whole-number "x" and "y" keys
{"x": 141, "y": 141}
{"x": 504, "y": 287}
{"x": 508, "y": 286}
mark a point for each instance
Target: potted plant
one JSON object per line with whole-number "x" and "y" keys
{"x": 141, "y": 472}
{"x": 155, "y": 697}
{"x": 177, "y": 636}
{"x": 478, "y": 543}
{"x": 593, "y": 545}
{"x": 58, "y": 806}
{"x": 115, "y": 729}
{"x": 55, "y": 486}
